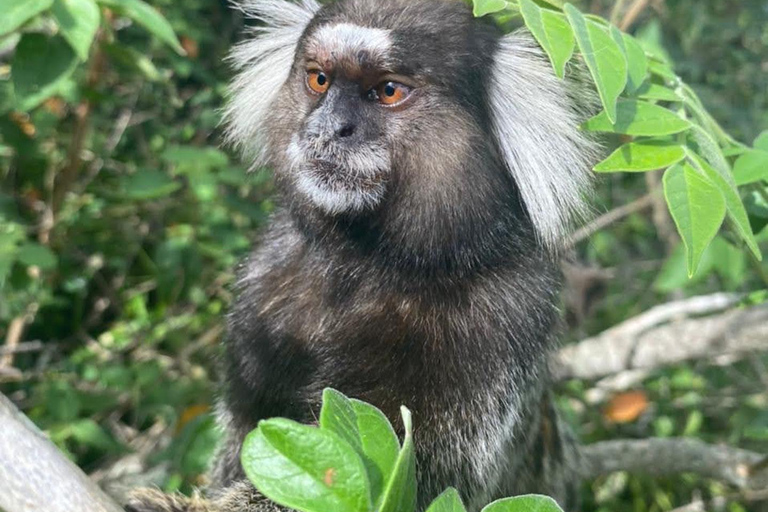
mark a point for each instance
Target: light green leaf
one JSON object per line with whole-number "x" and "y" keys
{"x": 662, "y": 70}
{"x": 697, "y": 207}
{"x": 737, "y": 213}
{"x": 36, "y": 255}
{"x": 651, "y": 91}
{"x": 553, "y": 33}
{"x": 78, "y": 21}
{"x": 529, "y": 503}
{"x": 484, "y": 7}
{"x": 149, "y": 184}
{"x": 761, "y": 142}
{"x": 642, "y": 156}
{"x": 400, "y": 492}
{"x": 14, "y": 13}
{"x": 367, "y": 430}
{"x": 449, "y": 501}
{"x": 604, "y": 58}
{"x": 751, "y": 167}
{"x": 638, "y": 118}
{"x": 149, "y": 18}
{"x": 40, "y": 66}
{"x": 637, "y": 62}
{"x": 305, "y": 468}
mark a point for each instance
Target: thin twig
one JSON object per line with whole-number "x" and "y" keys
{"x": 634, "y": 11}
{"x": 609, "y": 218}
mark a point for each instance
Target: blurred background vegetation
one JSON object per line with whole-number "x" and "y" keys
{"x": 122, "y": 221}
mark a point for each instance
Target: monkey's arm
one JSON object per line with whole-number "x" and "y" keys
{"x": 239, "y": 497}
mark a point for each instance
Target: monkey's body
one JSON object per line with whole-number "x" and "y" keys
{"x": 413, "y": 262}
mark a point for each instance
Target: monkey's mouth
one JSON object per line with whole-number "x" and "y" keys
{"x": 336, "y": 188}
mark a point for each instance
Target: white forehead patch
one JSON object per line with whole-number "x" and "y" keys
{"x": 349, "y": 39}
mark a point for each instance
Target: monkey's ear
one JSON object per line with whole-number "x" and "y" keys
{"x": 263, "y": 64}
{"x": 535, "y": 119}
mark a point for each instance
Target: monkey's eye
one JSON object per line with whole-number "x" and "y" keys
{"x": 317, "y": 81}
{"x": 391, "y": 93}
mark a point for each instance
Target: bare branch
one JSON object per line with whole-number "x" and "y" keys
{"x": 35, "y": 476}
{"x": 609, "y": 218}
{"x": 668, "y": 334}
{"x": 662, "y": 457}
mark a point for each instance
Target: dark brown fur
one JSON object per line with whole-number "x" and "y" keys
{"x": 440, "y": 297}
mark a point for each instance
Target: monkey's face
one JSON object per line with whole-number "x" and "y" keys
{"x": 368, "y": 106}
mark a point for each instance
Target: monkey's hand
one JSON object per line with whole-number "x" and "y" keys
{"x": 240, "y": 497}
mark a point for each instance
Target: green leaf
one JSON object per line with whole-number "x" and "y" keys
{"x": 449, "y": 501}
{"x": 484, "y": 7}
{"x": 697, "y": 207}
{"x": 14, "y": 13}
{"x": 36, "y": 255}
{"x": 751, "y": 167}
{"x": 39, "y": 68}
{"x": 553, "y": 33}
{"x": 662, "y": 70}
{"x": 651, "y": 91}
{"x": 737, "y": 213}
{"x": 149, "y": 18}
{"x": 529, "y": 503}
{"x": 642, "y": 156}
{"x": 400, "y": 492}
{"x": 761, "y": 142}
{"x": 305, "y": 468}
{"x": 638, "y": 118}
{"x": 367, "y": 430}
{"x": 604, "y": 58}
{"x": 78, "y": 21}
{"x": 149, "y": 184}
{"x": 637, "y": 62}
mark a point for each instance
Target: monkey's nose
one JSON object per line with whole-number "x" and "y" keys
{"x": 346, "y": 130}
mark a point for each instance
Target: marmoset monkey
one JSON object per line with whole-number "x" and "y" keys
{"x": 428, "y": 167}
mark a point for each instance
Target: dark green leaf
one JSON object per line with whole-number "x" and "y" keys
{"x": 697, "y": 207}
{"x": 604, "y": 58}
{"x": 751, "y": 167}
{"x": 639, "y": 118}
{"x": 149, "y": 18}
{"x": 305, "y": 468}
{"x": 449, "y": 501}
{"x": 36, "y": 255}
{"x": 78, "y": 21}
{"x": 400, "y": 492}
{"x": 529, "y": 503}
{"x": 553, "y": 33}
{"x": 642, "y": 156}
{"x": 149, "y": 184}
{"x": 14, "y": 13}
{"x": 40, "y": 67}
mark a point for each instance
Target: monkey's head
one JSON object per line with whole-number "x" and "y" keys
{"x": 412, "y": 113}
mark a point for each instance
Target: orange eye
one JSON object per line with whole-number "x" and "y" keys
{"x": 392, "y": 93}
{"x": 318, "y": 82}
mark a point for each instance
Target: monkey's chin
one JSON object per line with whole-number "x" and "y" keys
{"x": 342, "y": 193}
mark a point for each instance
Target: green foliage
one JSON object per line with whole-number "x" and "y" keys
{"x": 334, "y": 466}
{"x": 642, "y": 97}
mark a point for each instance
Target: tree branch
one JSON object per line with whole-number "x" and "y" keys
{"x": 668, "y": 334}
{"x": 35, "y": 476}
{"x": 661, "y": 457}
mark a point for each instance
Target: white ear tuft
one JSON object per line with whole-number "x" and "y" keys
{"x": 263, "y": 64}
{"x": 535, "y": 120}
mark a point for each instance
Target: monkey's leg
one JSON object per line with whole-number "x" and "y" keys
{"x": 239, "y": 497}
